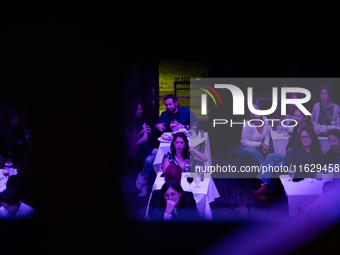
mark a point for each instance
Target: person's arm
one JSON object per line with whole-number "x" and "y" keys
{"x": 245, "y": 138}
{"x": 336, "y": 112}
{"x": 193, "y": 119}
{"x": 289, "y": 158}
{"x": 198, "y": 155}
{"x": 143, "y": 139}
{"x": 161, "y": 123}
{"x": 144, "y": 134}
{"x": 315, "y": 113}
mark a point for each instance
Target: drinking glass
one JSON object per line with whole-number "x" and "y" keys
{"x": 187, "y": 166}
{"x": 194, "y": 128}
{"x": 197, "y": 180}
{"x": 291, "y": 173}
{"x": 190, "y": 180}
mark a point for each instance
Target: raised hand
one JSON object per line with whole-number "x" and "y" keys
{"x": 161, "y": 127}
{"x": 170, "y": 205}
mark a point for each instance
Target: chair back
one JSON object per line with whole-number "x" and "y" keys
{"x": 200, "y": 147}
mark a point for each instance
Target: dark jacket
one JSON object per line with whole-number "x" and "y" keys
{"x": 305, "y": 164}
{"x": 25, "y": 184}
{"x": 186, "y": 117}
{"x": 189, "y": 213}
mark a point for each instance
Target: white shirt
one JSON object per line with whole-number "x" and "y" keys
{"x": 24, "y": 211}
{"x": 251, "y": 136}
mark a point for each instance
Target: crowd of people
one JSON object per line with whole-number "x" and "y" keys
{"x": 171, "y": 202}
{"x": 303, "y": 148}
{"x": 18, "y": 199}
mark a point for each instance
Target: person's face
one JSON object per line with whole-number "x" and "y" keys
{"x": 170, "y": 105}
{"x": 9, "y": 208}
{"x": 139, "y": 111}
{"x": 334, "y": 143}
{"x": 298, "y": 116}
{"x": 252, "y": 115}
{"x": 324, "y": 96}
{"x": 306, "y": 139}
{"x": 15, "y": 122}
{"x": 172, "y": 194}
{"x": 179, "y": 144}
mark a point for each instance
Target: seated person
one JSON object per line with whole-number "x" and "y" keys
{"x": 184, "y": 116}
{"x": 12, "y": 139}
{"x": 306, "y": 151}
{"x": 173, "y": 204}
{"x": 325, "y": 111}
{"x": 12, "y": 207}
{"x": 180, "y": 152}
{"x": 24, "y": 181}
{"x": 254, "y": 140}
{"x": 143, "y": 153}
{"x": 332, "y": 156}
{"x": 274, "y": 159}
{"x": 173, "y": 172}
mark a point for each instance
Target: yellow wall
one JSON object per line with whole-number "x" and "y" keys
{"x": 169, "y": 69}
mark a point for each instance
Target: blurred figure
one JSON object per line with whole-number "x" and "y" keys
{"x": 182, "y": 115}
{"x": 255, "y": 138}
{"x": 12, "y": 138}
{"x": 143, "y": 153}
{"x": 25, "y": 180}
{"x": 12, "y": 207}
{"x": 325, "y": 112}
{"x": 328, "y": 195}
{"x": 306, "y": 151}
{"x": 332, "y": 156}
{"x": 172, "y": 204}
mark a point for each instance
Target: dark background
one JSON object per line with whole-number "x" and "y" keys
{"x": 67, "y": 64}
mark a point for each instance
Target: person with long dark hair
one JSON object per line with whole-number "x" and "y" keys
{"x": 143, "y": 153}
{"x": 173, "y": 204}
{"x": 305, "y": 152}
{"x": 325, "y": 112}
{"x": 180, "y": 151}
